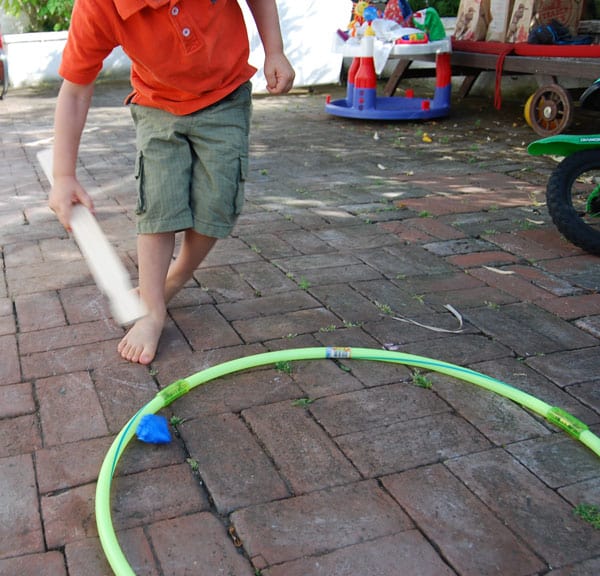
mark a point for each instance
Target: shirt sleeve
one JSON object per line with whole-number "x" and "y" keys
{"x": 89, "y": 41}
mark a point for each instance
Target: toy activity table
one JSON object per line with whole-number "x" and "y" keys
{"x": 362, "y": 101}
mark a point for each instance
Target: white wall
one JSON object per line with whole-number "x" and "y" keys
{"x": 33, "y": 58}
{"x": 308, "y": 27}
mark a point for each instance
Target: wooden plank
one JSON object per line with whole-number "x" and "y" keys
{"x": 399, "y": 72}
{"x": 471, "y": 64}
{"x": 106, "y": 267}
{"x": 467, "y": 84}
{"x": 584, "y": 68}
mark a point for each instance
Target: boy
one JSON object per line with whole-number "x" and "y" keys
{"x": 191, "y": 104}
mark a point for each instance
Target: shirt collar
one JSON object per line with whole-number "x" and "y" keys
{"x": 127, "y": 8}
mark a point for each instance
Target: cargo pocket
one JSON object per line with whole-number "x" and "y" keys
{"x": 139, "y": 178}
{"x": 239, "y": 198}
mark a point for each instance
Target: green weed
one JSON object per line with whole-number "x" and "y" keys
{"x": 420, "y": 298}
{"x": 176, "y": 421}
{"x": 304, "y": 283}
{"x": 421, "y": 380}
{"x": 384, "y": 308}
{"x": 303, "y": 402}
{"x": 285, "y": 367}
{"x": 590, "y": 513}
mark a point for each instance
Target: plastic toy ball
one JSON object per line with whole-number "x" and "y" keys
{"x": 370, "y": 13}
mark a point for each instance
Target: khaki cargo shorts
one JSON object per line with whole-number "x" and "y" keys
{"x": 190, "y": 170}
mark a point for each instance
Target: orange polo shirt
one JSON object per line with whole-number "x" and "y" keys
{"x": 185, "y": 54}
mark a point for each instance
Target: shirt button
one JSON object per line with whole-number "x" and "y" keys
{"x": 175, "y": 10}
{"x": 186, "y": 32}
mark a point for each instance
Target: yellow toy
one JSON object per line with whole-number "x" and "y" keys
{"x": 358, "y": 18}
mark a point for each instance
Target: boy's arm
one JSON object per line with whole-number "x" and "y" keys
{"x": 278, "y": 71}
{"x": 69, "y": 119}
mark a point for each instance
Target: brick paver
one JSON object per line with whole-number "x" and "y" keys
{"x": 572, "y": 307}
{"x": 317, "y": 380}
{"x": 568, "y": 367}
{"x": 68, "y": 337}
{"x": 19, "y": 435}
{"x": 235, "y": 392}
{"x": 86, "y": 557}
{"x": 304, "y": 454}
{"x": 16, "y": 400}
{"x": 476, "y": 259}
{"x": 45, "y": 564}
{"x": 517, "y": 373}
{"x": 69, "y": 409}
{"x": 319, "y": 522}
{"x": 500, "y": 420}
{"x": 374, "y": 408}
{"x": 9, "y": 371}
{"x": 289, "y": 301}
{"x": 314, "y": 468}
{"x": 528, "y": 507}
{"x": 555, "y": 460}
{"x": 28, "y": 309}
{"x": 529, "y": 330}
{"x": 7, "y": 320}
{"x": 454, "y": 518}
{"x": 21, "y": 527}
{"x": 407, "y": 551}
{"x": 280, "y": 326}
{"x": 197, "y": 543}
{"x": 512, "y": 284}
{"x": 67, "y": 360}
{"x": 236, "y": 472}
{"x": 411, "y": 443}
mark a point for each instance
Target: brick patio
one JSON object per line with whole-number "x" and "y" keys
{"x": 319, "y": 468}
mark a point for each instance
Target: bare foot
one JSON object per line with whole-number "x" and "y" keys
{"x": 140, "y": 343}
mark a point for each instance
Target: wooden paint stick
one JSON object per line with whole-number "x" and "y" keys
{"x": 106, "y": 267}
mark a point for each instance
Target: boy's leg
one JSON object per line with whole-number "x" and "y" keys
{"x": 194, "y": 249}
{"x": 155, "y": 252}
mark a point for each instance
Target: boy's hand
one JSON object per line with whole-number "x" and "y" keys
{"x": 279, "y": 74}
{"x": 65, "y": 192}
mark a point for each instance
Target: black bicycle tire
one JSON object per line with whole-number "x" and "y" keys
{"x": 559, "y": 200}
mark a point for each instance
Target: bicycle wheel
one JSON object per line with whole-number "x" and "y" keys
{"x": 573, "y": 199}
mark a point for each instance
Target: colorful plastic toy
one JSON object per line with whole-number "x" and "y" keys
{"x": 429, "y": 20}
{"x": 361, "y": 101}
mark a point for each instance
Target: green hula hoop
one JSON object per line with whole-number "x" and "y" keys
{"x": 108, "y": 538}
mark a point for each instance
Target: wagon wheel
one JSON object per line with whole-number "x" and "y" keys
{"x": 549, "y": 110}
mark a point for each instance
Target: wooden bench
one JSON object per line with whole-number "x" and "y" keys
{"x": 550, "y": 107}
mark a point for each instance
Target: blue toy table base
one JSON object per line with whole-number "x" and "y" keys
{"x": 362, "y": 102}
{"x": 392, "y": 107}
